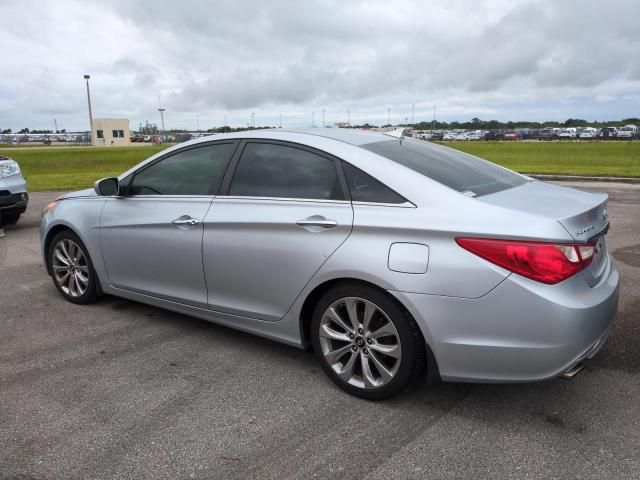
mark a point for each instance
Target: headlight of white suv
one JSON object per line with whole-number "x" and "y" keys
{"x": 8, "y": 168}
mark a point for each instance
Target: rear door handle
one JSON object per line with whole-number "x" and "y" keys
{"x": 186, "y": 220}
{"x": 317, "y": 221}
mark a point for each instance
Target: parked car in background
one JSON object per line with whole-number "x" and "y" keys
{"x": 385, "y": 255}
{"x": 628, "y": 132}
{"x": 493, "y": 135}
{"x": 511, "y": 135}
{"x": 588, "y": 133}
{"x": 437, "y": 136}
{"x": 608, "y": 133}
{"x": 14, "y": 196}
{"x": 450, "y": 136}
{"x": 568, "y": 134}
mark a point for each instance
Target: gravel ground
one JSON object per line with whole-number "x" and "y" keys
{"x": 122, "y": 390}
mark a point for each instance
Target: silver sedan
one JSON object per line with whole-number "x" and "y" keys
{"x": 393, "y": 259}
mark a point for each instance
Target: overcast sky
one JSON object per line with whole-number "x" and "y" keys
{"x": 508, "y": 60}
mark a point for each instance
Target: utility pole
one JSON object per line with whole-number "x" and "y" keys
{"x": 280, "y": 122}
{"x": 253, "y": 119}
{"x": 55, "y": 122}
{"x": 433, "y": 124}
{"x": 413, "y": 107}
{"x": 162, "y": 110}
{"x": 388, "y": 116}
{"x": 323, "y": 118}
{"x": 87, "y": 77}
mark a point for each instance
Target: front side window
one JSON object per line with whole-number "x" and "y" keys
{"x": 190, "y": 172}
{"x": 100, "y": 133}
{"x": 365, "y": 188}
{"x": 271, "y": 170}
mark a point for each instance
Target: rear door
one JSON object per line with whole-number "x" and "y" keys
{"x": 151, "y": 238}
{"x": 283, "y": 210}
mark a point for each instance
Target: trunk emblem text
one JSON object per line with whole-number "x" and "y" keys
{"x": 584, "y": 230}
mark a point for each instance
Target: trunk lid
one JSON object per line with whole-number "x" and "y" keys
{"x": 582, "y": 214}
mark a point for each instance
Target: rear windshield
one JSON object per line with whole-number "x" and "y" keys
{"x": 457, "y": 170}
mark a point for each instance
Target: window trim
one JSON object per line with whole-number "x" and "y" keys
{"x": 232, "y": 167}
{"x": 213, "y": 189}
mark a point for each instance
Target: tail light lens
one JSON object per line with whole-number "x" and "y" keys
{"x": 543, "y": 262}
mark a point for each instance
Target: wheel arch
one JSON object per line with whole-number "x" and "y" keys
{"x": 55, "y": 230}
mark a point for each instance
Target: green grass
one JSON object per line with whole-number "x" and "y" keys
{"x": 69, "y": 168}
{"x": 616, "y": 159}
{"x": 73, "y": 168}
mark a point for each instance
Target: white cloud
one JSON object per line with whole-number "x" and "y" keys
{"x": 508, "y": 60}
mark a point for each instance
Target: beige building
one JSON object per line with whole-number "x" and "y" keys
{"x": 110, "y": 131}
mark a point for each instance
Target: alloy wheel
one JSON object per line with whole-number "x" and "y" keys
{"x": 360, "y": 343}
{"x": 70, "y": 268}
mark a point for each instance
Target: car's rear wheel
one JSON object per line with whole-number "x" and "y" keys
{"x": 365, "y": 342}
{"x": 71, "y": 268}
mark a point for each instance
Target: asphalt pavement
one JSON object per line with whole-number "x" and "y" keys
{"x": 123, "y": 390}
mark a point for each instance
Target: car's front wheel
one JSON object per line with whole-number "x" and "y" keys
{"x": 365, "y": 342}
{"x": 71, "y": 268}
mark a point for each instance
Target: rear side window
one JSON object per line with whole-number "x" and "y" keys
{"x": 365, "y": 188}
{"x": 190, "y": 172}
{"x": 457, "y": 170}
{"x": 272, "y": 170}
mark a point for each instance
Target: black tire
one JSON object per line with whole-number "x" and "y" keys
{"x": 10, "y": 218}
{"x": 90, "y": 295}
{"x": 412, "y": 361}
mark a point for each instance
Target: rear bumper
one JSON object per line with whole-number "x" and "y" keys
{"x": 521, "y": 331}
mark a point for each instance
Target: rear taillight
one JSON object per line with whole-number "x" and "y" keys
{"x": 544, "y": 262}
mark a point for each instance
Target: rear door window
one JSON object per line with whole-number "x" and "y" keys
{"x": 465, "y": 173}
{"x": 280, "y": 171}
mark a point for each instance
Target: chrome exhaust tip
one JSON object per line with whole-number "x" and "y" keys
{"x": 572, "y": 372}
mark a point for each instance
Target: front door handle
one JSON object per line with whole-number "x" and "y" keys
{"x": 317, "y": 221}
{"x": 186, "y": 220}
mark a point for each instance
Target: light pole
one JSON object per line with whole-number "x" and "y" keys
{"x": 198, "y": 122}
{"x": 413, "y": 107}
{"x": 388, "y": 116}
{"x": 280, "y": 123}
{"x": 162, "y": 110}
{"x": 87, "y": 77}
{"x": 224, "y": 127}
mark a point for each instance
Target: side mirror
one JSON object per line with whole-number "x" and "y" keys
{"x": 107, "y": 187}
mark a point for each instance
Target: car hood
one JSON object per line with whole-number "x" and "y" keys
{"x": 582, "y": 214}
{"x": 87, "y": 192}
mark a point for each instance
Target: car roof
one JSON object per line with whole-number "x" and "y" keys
{"x": 352, "y": 136}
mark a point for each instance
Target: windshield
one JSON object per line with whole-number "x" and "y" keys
{"x": 465, "y": 173}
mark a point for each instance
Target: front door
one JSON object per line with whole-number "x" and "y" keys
{"x": 151, "y": 238}
{"x": 284, "y": 214}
